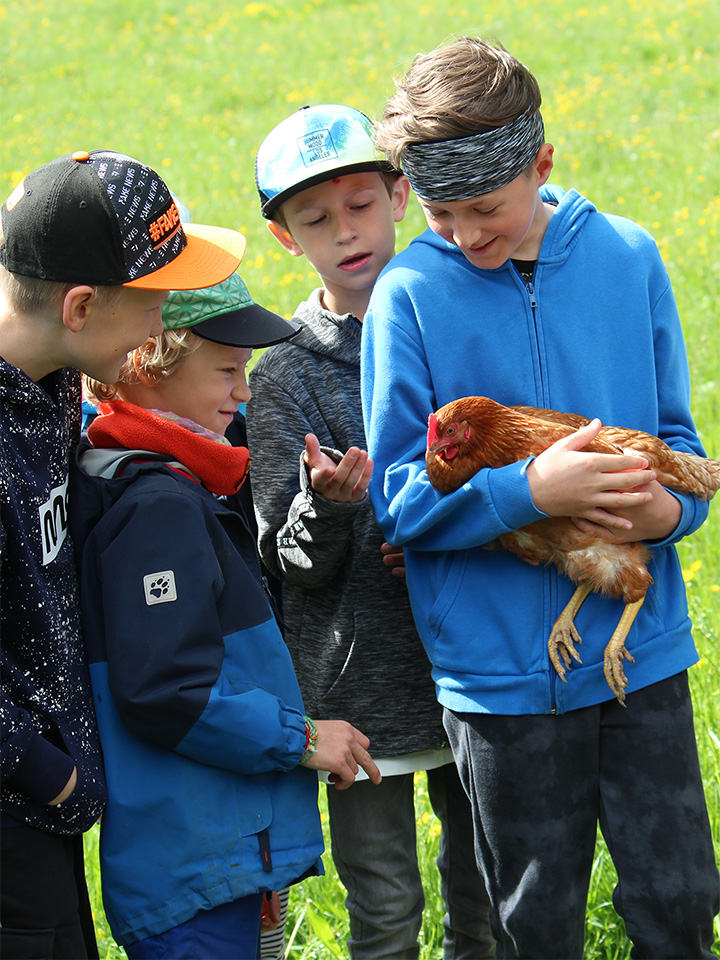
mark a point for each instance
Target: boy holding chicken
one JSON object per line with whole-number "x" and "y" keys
{"x": 329, "y": 195}
{"x": 512, "y": 285}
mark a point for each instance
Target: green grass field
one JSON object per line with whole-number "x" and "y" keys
{"x": 631, "y": 102}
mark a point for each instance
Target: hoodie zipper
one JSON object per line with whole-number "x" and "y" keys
{"x": 532, "y": 297}
{"x": 530, "y": 287}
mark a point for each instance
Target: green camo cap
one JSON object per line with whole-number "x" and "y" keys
{"x": 226, "y": 313}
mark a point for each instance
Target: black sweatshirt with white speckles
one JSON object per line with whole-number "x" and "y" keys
{"x": 47, "y": 717}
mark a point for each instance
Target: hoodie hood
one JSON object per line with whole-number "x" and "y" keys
{"x": 324, "y": 333}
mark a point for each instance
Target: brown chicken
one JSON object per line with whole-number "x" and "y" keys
{"x": 476, "y": 432}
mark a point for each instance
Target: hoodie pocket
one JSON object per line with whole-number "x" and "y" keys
{"x": 445, "y": 588}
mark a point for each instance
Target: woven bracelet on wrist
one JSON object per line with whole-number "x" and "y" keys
{"x": 311, "y": 735}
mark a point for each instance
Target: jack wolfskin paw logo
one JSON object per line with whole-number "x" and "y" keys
{"x": 160, "y": 587}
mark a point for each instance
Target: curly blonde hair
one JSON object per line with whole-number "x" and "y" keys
{"x": 465, "y": 87}
{"x": 158, "y": 356}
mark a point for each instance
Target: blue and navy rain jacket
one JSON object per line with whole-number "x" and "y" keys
{"x": 200, "y": 715}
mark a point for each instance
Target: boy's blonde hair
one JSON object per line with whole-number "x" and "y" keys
{"x": 158, "y": 356}
{"x": 466, "y": 87}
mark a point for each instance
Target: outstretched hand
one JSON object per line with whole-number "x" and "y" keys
{"x": 567, "y": 481}
{"x": 344, "y": 482}
{"x": 341, "y": 750}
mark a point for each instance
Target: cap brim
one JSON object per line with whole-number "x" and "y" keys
{"x": 211, "y": 255}
{"x": 251, "y": 326}
{"x": 270, "y": 204}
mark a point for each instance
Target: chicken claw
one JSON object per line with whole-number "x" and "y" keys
{"x": 615, "y": 652}
{"x": 564, "y": 634}
{"x": 562, "y": 644}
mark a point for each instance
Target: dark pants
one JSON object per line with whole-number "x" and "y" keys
{"x": 540, "y": 784}
{"x": 228, "y": 932}
{"x": 374, "y": 849}
{"x": 44, "y": 906}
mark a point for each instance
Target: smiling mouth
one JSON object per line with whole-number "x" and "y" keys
{"x": 483, "y": 248}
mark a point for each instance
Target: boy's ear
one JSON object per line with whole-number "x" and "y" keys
{"x": 400, "y": 197}
{"x": 284, "y": 237}
{"x": 76, "y": 307}
{"x": 544, "y": 163}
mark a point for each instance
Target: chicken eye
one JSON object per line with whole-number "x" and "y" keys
{"x": 451, "y": 431}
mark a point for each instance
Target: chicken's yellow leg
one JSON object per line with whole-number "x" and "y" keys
{"x": 564, "y": 635}
{"x": 615, "y": 651}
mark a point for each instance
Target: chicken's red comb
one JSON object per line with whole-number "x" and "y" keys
{"x": 432, "y": 429}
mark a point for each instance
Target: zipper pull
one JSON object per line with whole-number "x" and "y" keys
{"x": 531, "y": 294}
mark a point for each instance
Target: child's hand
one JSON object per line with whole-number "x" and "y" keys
{"x": 66, "y": 791}
{"x": 270, "y": 915}
{"x": 653, "y": 520}
{"x": 344, "y": 482}
{"x": 393, "y": 557}
{"x": 566, "y": 481}
{"x": 341, "y": 749}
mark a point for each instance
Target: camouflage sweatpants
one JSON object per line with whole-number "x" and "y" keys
{"x": 539, "y": 785}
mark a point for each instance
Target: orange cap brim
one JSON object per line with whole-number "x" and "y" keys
{"x": 211, "y": 255}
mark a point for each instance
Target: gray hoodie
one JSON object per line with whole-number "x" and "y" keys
{"x": 348, "y": 621}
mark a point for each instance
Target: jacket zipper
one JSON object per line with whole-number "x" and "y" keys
{"x": 530, "y": 287}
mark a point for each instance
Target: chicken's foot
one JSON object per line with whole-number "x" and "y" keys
{"x": 564, "y": 635}
{"x": 615, "y": 651}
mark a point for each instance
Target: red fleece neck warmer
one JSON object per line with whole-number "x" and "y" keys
{"x": 221, "y": 468}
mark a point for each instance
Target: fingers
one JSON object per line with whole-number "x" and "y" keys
{"x": 603, "y": 525}
{"x": 343, "y": 482}
{"x": 312, "y": 451}
{"x": 630, "y": 467}
{"x": 363, "y": 757}
{"x": 623, "y": 477}
{"x": 583, "y": 436}
{"x": 341, "y": 749}
{"x": 394, "y": 557}
{"x": 353, "y": 474}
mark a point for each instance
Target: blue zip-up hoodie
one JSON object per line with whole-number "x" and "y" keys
{"x": 200, "y": 715}
{"x": 595, "y": 333}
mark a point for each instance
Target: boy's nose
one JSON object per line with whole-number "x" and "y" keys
{"x": 344, "y": 231}
{"x": 466, "y": 234}
{"x": 241, "y": 392}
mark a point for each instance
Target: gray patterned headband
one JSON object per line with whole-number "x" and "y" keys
{"x": 471, "y": 166}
